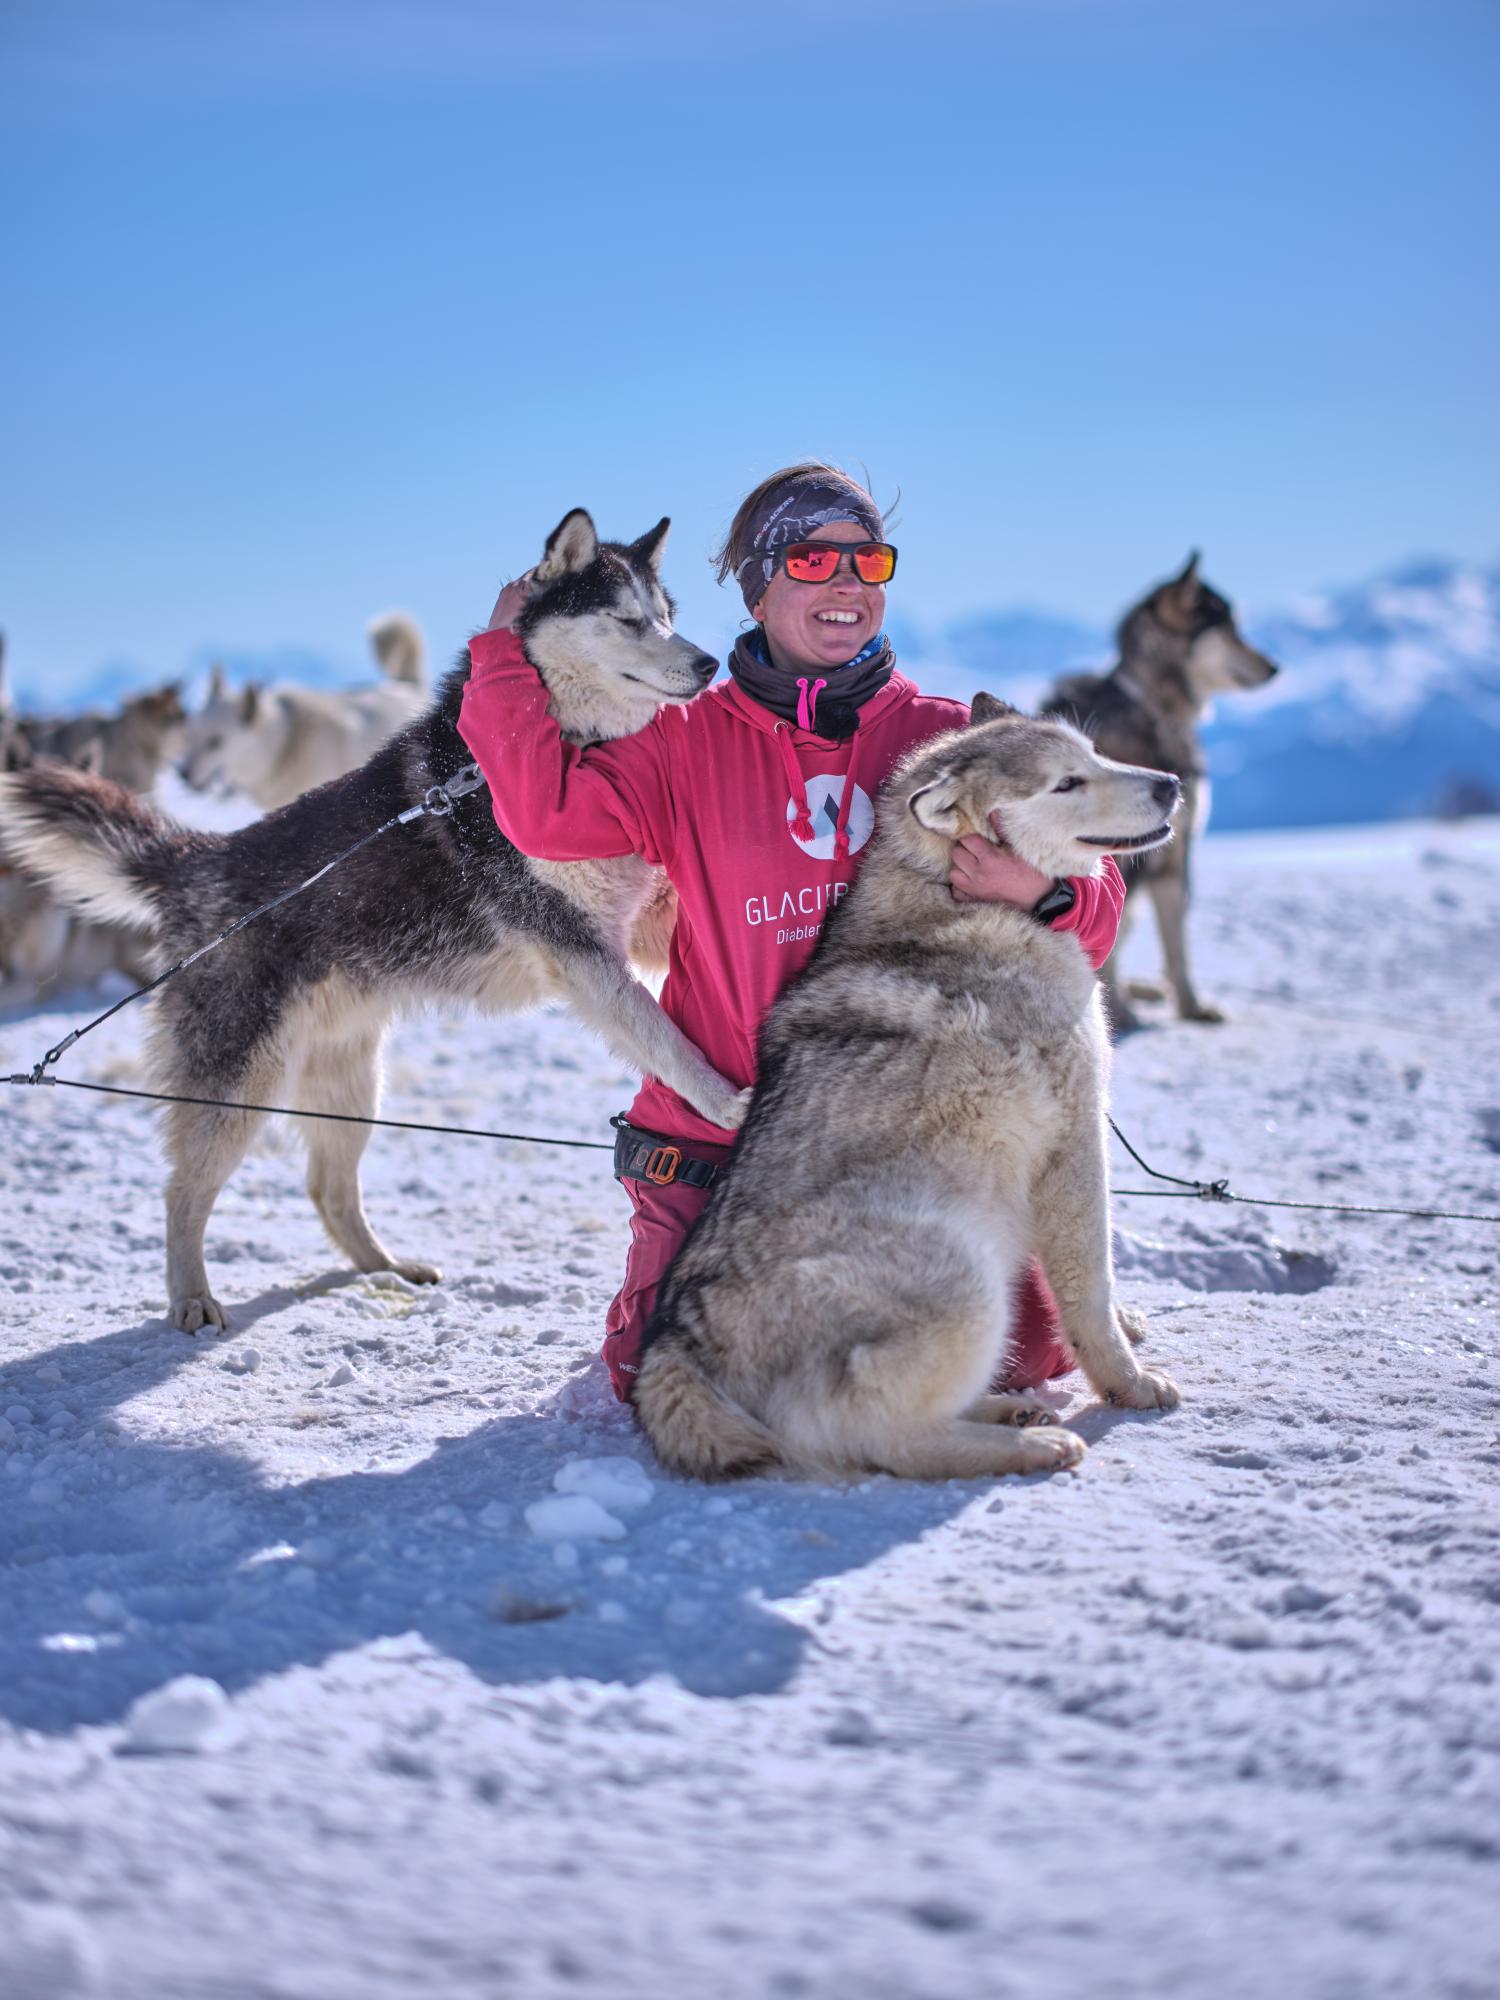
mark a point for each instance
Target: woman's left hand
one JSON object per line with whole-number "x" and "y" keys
{"x": 984, "y": 873}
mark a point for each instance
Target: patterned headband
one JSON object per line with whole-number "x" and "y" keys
{"x": 794, "y": 512}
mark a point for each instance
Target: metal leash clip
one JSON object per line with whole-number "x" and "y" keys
{"x": 441, "y": 798}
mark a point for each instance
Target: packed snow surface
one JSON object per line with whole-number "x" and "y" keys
{"x": 321, "y": 1677}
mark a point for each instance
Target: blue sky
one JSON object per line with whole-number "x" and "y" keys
{"x": 314, "y": 309}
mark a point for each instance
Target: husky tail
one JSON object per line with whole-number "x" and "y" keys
{"x": 100, "y": 849}
{"x": 396, "y": 640}
{"x": 695, "y": 1430}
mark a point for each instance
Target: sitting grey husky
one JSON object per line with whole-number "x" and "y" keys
{"x": 293, "y": 1008}
{"x": 930, "y": 1113}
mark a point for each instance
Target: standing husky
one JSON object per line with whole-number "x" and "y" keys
{"x": 293, "y": 1008}
{"x": 930, "y": 1113}
{"x": 1179, "y": 647}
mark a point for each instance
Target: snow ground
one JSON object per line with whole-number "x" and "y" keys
{"x": 1214, "y": 1715}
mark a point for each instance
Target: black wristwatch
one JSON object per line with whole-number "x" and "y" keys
{"x": 1057, "y": 902}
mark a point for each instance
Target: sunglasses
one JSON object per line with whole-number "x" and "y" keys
{"x": 818, "y": 562}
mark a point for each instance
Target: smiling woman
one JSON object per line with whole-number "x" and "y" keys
{"x": 757, "y": 799}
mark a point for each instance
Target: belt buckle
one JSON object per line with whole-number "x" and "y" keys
{"x": 662, "y": 1164}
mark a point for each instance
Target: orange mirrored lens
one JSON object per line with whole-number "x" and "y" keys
{"x": 806, "y": 564}
{"x": 875, "y": 564}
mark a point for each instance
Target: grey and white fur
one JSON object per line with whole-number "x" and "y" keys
{"x": 930, "y": 1113}
{"x": 1179, "y": 647}
{"x": 293, "y": 1009}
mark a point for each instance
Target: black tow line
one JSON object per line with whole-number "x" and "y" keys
{"x": 438, "y": 803}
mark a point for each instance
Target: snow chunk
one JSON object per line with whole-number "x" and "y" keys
{"x": 189, "y": 1714}
{"x": 45, "y": 1954}
{"x": 618, "y": 1482}
{"x": 572, "y": 1517}
{"x": 245, "y": 1362}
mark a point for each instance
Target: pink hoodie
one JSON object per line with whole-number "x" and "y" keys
{"x": 742, "y": 810}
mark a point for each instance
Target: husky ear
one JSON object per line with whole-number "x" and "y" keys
{"x": 989, "y": 708}
{"x": 249, "y": 706}
{"x": 572, "y": 545}
{"x": 1187, "y": 583}
{"x": 651, "y": 544}
{"x": 934, "y": 806}
{"x": 218, "y": 687}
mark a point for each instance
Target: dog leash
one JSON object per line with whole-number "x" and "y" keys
{"x": 1220, "y": 1190}
{"x": 438, "y": 803}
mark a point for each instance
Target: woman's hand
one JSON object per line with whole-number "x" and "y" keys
{"x": 508, "y": 604}
{"x": 984, "y": 873}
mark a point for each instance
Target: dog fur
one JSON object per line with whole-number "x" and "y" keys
{"x": 274, "y": 743}
{"x": 44, "y": 948}
{"x": 294, "y": 1007}
{"x": 930, "y": 1113}
{"x": 1179, "y": 647}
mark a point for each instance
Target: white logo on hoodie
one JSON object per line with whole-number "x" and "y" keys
{"x": 824, "y": 797}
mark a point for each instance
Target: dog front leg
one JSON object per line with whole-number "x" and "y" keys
{"x": 607, "y": 998}
{"x": 1169, "y": 894}
{"x": 1070, "y": 1205}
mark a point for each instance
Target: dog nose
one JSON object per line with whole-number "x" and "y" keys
{"x": 705, "y": 667}
{"x": 1166, "y": 792}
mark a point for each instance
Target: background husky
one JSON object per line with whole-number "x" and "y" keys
{"x": 1179, "y": 647}
{"x": 42, "y": 945}
{"x": 293, "y": 1008}
{"x": 930, "y": 1112}
{"x": 273, "y": 743}
{"x": 396, "y": 640}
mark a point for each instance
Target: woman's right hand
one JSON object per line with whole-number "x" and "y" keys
{"x": 508, "y": 604}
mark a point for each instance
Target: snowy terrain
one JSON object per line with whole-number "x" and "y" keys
{"x": 366, "y": 1653}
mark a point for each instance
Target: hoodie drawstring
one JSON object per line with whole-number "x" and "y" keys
{"x": 841, "y": 830}
{"x": 807, "y": 704}
{"x": 802, "y": 825}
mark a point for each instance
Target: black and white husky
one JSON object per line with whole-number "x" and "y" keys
{"x": 293, "y": 1008}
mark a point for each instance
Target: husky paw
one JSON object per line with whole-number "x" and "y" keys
{"x": 1022, "y": 1410}
{"x": 415, "y": 1271}
{"x": 732, "y": 1110}
{"x": 1133, "y": 1323}
{"x": 1149, "y": 1391}
{"x": 199, "y": 1309}
{"x": 1145, "y": 989}
{"x": 1213, "y": 1017}
{"x": 1051, "y": 1450}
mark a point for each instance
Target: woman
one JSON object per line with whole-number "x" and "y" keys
{"x": 756, "y": 798}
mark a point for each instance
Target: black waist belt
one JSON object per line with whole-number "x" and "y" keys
{"x": 650, "y": 1156}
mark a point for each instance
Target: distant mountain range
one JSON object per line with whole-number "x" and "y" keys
{"x": 1388, "y": 706}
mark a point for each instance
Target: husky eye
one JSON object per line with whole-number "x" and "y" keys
{"x": 640, "y": 626}
{"x": 1068, "y": 784}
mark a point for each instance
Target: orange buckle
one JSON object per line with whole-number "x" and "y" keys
{"x": 662, "y": 1165}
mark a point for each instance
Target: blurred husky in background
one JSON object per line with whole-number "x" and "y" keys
{"x": 929, "y": 1115}
{"x": 294, "y": 1007}
{"x": 1179, "y": 647}
{"x": 45, "y": 948}
{"x": 274, "y": 743}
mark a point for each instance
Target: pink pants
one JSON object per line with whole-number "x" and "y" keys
{"x": 663, "y": 1216}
